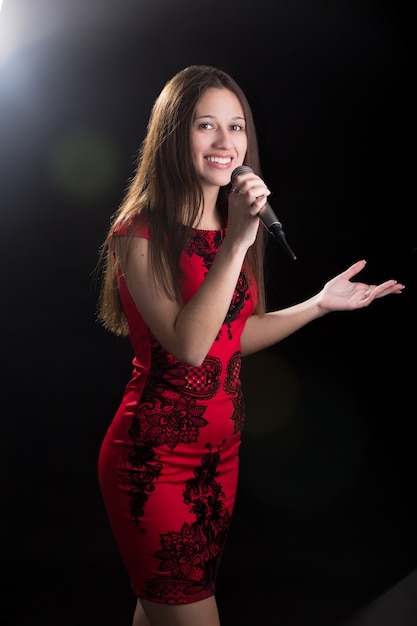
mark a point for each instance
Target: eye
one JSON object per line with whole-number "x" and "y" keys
{"x": 238, "y": 127}
{"x": 206, "y": 125}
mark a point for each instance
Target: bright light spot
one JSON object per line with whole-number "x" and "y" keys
{"x": 20, "y": 28}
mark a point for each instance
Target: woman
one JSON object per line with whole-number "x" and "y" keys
{"x": 183, "y": 277}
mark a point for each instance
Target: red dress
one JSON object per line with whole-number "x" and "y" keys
{"x": 168, "y": 465}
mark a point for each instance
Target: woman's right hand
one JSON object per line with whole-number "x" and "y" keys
{"x": 247, "y": 197}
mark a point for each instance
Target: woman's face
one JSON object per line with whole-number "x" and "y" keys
{"x": 218, "y": 136}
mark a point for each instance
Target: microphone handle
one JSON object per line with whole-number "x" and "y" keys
{"x": 268, "y": 217}
{"x": 276, "y": 230}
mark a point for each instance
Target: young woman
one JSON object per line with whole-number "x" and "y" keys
{"x": 183, "y": 278}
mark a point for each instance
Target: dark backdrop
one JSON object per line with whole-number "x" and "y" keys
{"x": 325, "y": 519}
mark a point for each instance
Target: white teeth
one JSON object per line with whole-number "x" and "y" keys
{"x": 223, "y": 161}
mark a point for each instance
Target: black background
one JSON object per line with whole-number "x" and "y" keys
{"x": 325, "y": 519}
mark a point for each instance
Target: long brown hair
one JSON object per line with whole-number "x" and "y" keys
{"x": 166, "y": 191}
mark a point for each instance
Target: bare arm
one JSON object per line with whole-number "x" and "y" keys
{"x": 338, "y": 294}
{"x": 187, "y": 331}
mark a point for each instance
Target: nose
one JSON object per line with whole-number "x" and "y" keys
{"x": 223, "y": 138}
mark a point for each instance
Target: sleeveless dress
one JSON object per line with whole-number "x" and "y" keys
{"x": 168, "y": 465}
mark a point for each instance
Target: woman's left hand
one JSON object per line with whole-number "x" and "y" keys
{"x": 340, "y": 293}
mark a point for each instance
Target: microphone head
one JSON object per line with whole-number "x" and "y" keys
{"x": 240, "y": 169}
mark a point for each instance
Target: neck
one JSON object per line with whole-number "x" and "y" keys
{"x": 211, "y": 218}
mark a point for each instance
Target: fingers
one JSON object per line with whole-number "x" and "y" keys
{"x": 354, "y": 269}
{"x": 251, "y": 186}
{"x": 372, "y": 292}
{"x": 388, "y": 287}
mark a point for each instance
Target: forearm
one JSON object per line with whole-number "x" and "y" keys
{"x": 264, "y": 331}
{"x": 199, "y": 321}
{"x": 186, "y": 330}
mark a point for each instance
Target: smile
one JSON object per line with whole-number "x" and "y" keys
{"x": 222, "y": 161}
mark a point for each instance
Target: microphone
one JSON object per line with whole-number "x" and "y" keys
{"x": 268, "y": 217}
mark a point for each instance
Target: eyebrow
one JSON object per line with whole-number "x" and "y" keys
{"x": 213, "y": 117}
